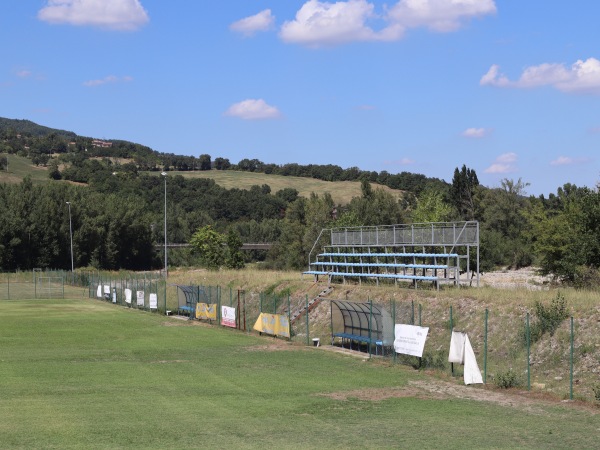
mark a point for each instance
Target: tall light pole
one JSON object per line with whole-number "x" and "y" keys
{"x": 71, "y": 235}
{"x": 164, "y": 174}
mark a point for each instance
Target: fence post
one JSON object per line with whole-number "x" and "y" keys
{"x": 307, "y": 328}
{"x": 528, "y": 353}
{"x": 370, "y": 324}
{"x": 239, "y": 311}
{"x": 485, "y": 342}
{"x": 451, "y": 328}
{"x": 420, "y": 315}
{"x": 219, "y": 305}
{"x": 289, "y": 317}
{"x": 394, "y": 315}
{"x": 244, "y": 304}
{"x": 412, "y": 312}
{"x": 572, "y": 345}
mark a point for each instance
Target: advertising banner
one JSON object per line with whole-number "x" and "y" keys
{"x": 128, "y": 296}
{"x": 205, "y": 311}
{"x": 99, "y": 291}
{"x": 140, "y": 298}
{"x": 153, "y": 299}
{"x": 274, "y": 324}
{"x": 410, "y": 339}
{"x": 228, "y": 316}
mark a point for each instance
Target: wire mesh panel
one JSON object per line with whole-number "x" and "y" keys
{"x": 50, "y": 287}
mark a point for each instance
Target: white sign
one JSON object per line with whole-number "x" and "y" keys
{"x": 140, "y": 298}
{"x": 228, "y": 316}
{"x": 128, "y": 296}
{"x": 153, "y": 299}
{"x": 410, "y": 339}
{"x": 99, "y": 291}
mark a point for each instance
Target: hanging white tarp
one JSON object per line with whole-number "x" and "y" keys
{"x": 472, "y": 374}
{"x": 410, "y": 339}
{"x": 461, "y": 352}
{"x": 457, "y": 348}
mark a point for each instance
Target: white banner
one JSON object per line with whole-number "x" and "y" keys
{"x": 140, "y": 298}
{"x": 410, "y": 339}
{"x": 106, "y": 289}
{"x": 128, "y": 296}
{"x": 153, "y": 299}
{"x": 99, "y": 291}
{"x": 228, "y": 316}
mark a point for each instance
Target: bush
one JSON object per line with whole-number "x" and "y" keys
{"x": 547, "y": 319}
{"x": 434, "y": 360}
{"x": 596, "y": 389}
{"x": 508, "y": 379}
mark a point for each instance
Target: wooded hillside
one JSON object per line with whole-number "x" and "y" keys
{"x": 118, "y": 208}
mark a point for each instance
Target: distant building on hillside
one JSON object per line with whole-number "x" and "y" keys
{"x": 100, "y": 143}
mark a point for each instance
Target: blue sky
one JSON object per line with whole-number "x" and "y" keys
{"x": 509, "y": 88}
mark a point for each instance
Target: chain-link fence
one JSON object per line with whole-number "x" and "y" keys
{"x": 31, "y": 285}
{"x": 144, "y": 291}
{"x": 533, "y": 348}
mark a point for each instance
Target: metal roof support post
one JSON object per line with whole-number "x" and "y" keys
{"x": 477, "y": 254}
{"x": 370, "y": 324}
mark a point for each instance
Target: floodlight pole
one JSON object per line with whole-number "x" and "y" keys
{"x": 164, "y": 174}
{"x": 71, "y": 235}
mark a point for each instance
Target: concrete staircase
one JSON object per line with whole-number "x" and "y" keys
{"x": 312, "y": 304}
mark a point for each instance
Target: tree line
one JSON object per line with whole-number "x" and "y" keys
{"x": 118, "y": 215}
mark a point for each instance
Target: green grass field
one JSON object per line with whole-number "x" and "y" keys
{"x": 19, "y": 168}
{"x": 86, "y": 374}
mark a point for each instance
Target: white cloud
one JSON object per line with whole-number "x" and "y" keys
{"x": 323, "y": 23}
{"x": 505, "y": 163}
{"x": 253, "y": 109}
{"x": 400, "y": 162}
{"x": 438, "y": 15}
{"x": 568, "y": 161}
{"x": 582, "y": 77}
{"x": 24, "y": 73}
{"x": 263, "y": 21}
{"x": 475, "y": 133}
{"x": 112, "y": 14}
{"x": 107, "y": 80}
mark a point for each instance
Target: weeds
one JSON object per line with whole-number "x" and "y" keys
{"x": 547, "y": 319}
{"x": 596, "y": 390}
{"x": 508, "y": 379}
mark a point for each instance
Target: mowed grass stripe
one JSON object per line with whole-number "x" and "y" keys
{"x": 85, "y": 374}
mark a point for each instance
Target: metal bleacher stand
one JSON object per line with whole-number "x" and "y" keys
{"x": 424, "y": 252}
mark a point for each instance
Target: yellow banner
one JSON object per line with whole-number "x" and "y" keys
{"x": 274, "y": 324}
{"x": 205, "y": 311}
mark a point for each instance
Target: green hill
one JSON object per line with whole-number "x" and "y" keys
{"x": 341, "y": 191}
{"x": 32, "y": 128}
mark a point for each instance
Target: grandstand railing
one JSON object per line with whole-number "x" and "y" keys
{"x": 436, "y": 240}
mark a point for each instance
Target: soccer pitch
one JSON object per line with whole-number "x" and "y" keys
{"x": 87, "y": 374}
